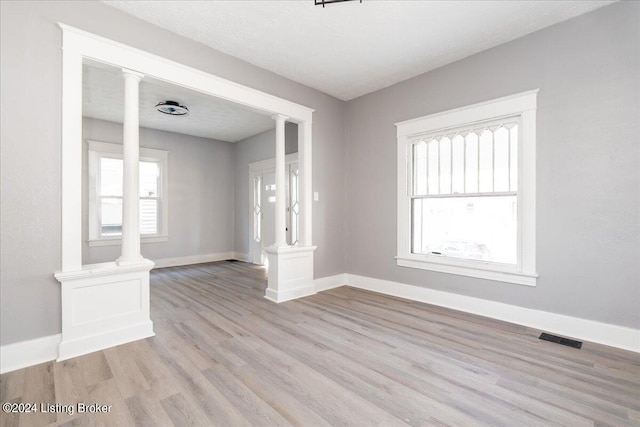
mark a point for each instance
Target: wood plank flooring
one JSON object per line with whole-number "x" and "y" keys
{"x": 225, "y": 356}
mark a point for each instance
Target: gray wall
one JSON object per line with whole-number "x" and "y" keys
{"x": 30, "y": 70}
{"x": 588, "y": 170}
{"x": 253, "y": 149}
{"x": 201, "y": 193}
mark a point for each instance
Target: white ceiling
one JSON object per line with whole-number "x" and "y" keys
{"x": 209, "y": 117}
{"x": 350, "y": 49}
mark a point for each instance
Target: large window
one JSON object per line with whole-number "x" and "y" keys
{"x": 105, "y": 194}
{"x": 466, "y": 191}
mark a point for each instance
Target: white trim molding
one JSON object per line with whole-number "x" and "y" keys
{"x": 330, "y": 282}
{"x": 195, "y": 259}
{"x": 574, "y": 327}
{"x": 77, "y": 47}
{"x": 290, "y": 273}
{"x": 104, "y": 305}
{"x": 28, "y": 353}
{"x": 521, "y": 106}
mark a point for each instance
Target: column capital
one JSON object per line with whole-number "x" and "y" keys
{"x": 130, "y": 73}
{"x": 280, "y": 117}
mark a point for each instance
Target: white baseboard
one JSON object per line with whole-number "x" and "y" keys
{"x": 239, "y": 256}
{"x": 86, "y": 345}
{"x": 582, "y": 329}
{"x": 330, "y": 282}
{"x": 194, "y": 259}
{"x": 289, "y": 294}
{"x": 28, "y": 353}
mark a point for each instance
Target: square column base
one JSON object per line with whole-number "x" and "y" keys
{"x": 104, "y": 305}
{"x": 290, "y": 273}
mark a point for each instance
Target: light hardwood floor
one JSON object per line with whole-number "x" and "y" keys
{"x": 225, "y": 356}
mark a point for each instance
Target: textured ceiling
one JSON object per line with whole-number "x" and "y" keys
{"x": 209, "y": 117}
{"x": 350, "y": 49}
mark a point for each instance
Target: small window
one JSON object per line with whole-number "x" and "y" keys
{"x": 466, "y": 185}
{"x": 105, "y": 198}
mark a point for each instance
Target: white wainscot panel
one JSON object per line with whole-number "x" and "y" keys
{"x": 290, "y": 273}
{"x": 104, "y": 305}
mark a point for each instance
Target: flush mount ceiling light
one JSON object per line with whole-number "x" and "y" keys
{"x": 172, "y": 108}
{"x": 323, "y": 2}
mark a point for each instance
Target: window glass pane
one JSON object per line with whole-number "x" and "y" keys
{"x": 149, "y": 179}
{"x": 148, "y": 216}
{"x": 501, "y": 159}
{"x": 478, "y": 228}
{"x": 110, "y": 217}
{"x": 458, "y": 164}
{"x": 110, "y": 177}
{"x": 433, "y": 167}
{"x": 420, "y": 168}
{"x": 445, "y": 165}
{"x": 514, "y": 158}
{"x": 486, "y": 161}
{"x": 471, "y": 167}
{"x": 416, "y": 225}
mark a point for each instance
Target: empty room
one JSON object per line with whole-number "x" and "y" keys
{"x": 320, "y": 213}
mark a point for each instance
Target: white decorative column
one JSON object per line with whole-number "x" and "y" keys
{"x": 281, "y": 234}
{"x": 290, "y": 267}
{"x": 131, "y": 164}
{"x": 107, "y": 304}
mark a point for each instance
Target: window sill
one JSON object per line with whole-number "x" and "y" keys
{"x": 118, "y": 241}
{"x": 477, "y": 271}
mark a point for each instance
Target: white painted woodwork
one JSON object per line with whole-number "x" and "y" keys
{"x": 589, "y": 330}
{"x": 290, "y": 273}
{"x": 79, "y": 45}
{"x": 71, "y": 158}
{"x": 104, "y": 285}
{"x": 521, "y": 104}
{"x": 280, "y": 214}
{"x": 305, "y": 187}
{"x": 131, "y": 170}
{"x": 104, "y": 305}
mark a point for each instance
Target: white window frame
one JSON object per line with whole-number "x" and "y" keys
{"x": 97, "y": 150}
{"x": 524, "y": 271}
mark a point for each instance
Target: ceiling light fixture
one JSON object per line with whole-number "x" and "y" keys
{"x": 172, "y": 108}
{"x": 323, "y": 2}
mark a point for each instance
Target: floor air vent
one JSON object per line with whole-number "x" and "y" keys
{"x": 560, "y": 340}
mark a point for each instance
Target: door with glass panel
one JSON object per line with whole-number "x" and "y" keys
{"x": 263, "y": 210}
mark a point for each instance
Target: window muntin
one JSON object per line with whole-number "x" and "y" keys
{"x": 464, "y": 192}
{"x": 106, "y": 186}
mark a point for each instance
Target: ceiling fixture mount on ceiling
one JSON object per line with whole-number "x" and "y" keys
{"x": 172, "y": 108}
{"x": 323, "y": 2}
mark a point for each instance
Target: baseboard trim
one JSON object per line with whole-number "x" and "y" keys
{"x": 28, "y": 353}
{"x": 289, "y": 294}
{"x": 239, "y": 256}
{"x": 86, "y": 345}
{"x": 330, "y": 282}
{"x": 588, "y": 330}
{"x": 194, "y": 259}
